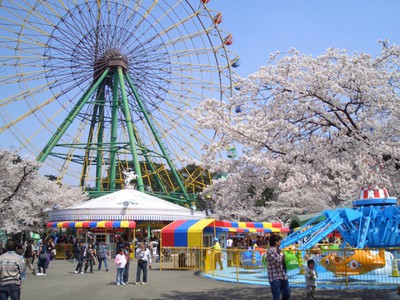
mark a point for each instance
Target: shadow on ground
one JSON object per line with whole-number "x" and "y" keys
{"x": 244, "y": 291}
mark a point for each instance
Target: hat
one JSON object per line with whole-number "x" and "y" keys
{"x": 216, "y": 239}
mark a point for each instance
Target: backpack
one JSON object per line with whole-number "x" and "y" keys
{"x": 42, "y": 256}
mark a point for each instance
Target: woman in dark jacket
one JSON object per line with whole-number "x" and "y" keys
{"x": 42, "y": 261}
{"x": 90, "y": 257}
{"x": 79, "y": 251}
{"x": 50, "y": 248}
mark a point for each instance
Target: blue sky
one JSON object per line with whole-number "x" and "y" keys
{"x": 261, "y": 27}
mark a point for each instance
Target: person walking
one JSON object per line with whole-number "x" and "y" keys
{"x": 143, "y": 255}
{"x": 79, "y": 251}
{"x": 43, "y": 260}
{"x": 120, "y": 261}
{"x": 90, "y": 257}
{"x": 277, "y": 270}
{"x": 35, "y": 251}
{"x": 74, "y": 245}
{"x": 28, "y": 256}
{"x": 127, "y": 252}
{"x": 217, "y": 254}
{"x": 11, "y": 266}
{"x": 20, "y": 251}
{"x": 102, "y": 255}
{"x": 51, "y": 250}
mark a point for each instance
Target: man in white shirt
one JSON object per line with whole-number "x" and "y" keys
{"x": 143, "y": 256}
{"x": 229, "y": 243}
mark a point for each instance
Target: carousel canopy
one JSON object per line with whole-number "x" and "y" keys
{"x": 92, "y": 224}
{"x": 128, "y": 205}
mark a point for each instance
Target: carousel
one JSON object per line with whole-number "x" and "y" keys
{"x": 124, "y": 216}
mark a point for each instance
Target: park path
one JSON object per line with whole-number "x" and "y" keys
{"x": 61, "y": 283}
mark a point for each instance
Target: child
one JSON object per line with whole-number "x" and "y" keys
{"x": 311, "y": 276}
{"x": 120, "y": 261}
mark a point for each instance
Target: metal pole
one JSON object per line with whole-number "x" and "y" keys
{"x": 129, "y": 124}
{"x": 69, "y": 119}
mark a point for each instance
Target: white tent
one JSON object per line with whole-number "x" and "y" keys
{"x": 127, "y": 204}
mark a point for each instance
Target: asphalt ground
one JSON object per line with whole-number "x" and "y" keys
{"x": 62, "y": 283}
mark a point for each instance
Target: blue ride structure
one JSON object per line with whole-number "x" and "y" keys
{"x": 373, "y": 222}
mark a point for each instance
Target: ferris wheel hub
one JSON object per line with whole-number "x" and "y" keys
{"x": 112, "y": 58}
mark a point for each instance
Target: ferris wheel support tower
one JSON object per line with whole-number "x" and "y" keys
{"x": 113, "y": 74}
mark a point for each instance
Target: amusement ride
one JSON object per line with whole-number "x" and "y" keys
{"x": 94, "y": 89}
{"x": 373, "y": 222}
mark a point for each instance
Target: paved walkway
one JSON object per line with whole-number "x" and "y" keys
{"x": 62, "y": 283}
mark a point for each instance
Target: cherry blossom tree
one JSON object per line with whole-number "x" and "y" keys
{"x": 313, "y": 130}
{"x": 27, "y": 196}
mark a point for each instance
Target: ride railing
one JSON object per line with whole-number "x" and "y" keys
{"x": 335, "y": 267}
{"x": 182, "y": 258}
{"x": 345, "y": 267}
{"x": 64, "y": 251}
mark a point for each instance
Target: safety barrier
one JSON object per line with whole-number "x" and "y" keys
{"x": 181, "y": 258}
{"x": 64, "y": 251}
{"x": 335, "y": 267}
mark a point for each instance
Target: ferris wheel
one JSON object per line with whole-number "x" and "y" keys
{"x": 95, "y": 88}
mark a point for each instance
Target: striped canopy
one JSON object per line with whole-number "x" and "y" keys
{"x": 249, "y": 225}
{"x": 92, "y": 224}
{"x": 184, "y": 233}
{"x": 242, "y": 230}
{"x": 189, "y": 233}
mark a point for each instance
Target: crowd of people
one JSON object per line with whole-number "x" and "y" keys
{"x": 87, "y": 257}
{"x": 16, "y": 258}
{"x": 245, "y": 242}
{"x": 37, "y": 255}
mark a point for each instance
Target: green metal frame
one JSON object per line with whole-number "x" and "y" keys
{"x": 119, "y": 78}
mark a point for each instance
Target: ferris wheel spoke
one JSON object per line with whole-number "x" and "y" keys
{"x": 44, "y": 123}
{"x": 174, "y": 114}
{"x": 11, "y": 100}
{"x": 195, "y": 93}
{"x": 14, "y": 78}
{"x": 31, "y": 26}
{"x": 27, "y": 114}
